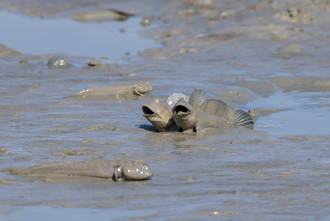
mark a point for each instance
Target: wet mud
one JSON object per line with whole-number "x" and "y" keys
{"x": 271, "y": 56}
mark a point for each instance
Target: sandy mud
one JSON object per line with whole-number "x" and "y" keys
{"x": 272, "y": 56}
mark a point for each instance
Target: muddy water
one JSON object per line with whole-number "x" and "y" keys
{"x": 278, "y": 171}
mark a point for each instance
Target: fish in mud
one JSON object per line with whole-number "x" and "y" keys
{"x": 58, "y": 63}
{"x": 159, "y": 114}
{"x": 201, "y": 112}
{"x": 116, "y": 91}
{"x": 110, "y": 169}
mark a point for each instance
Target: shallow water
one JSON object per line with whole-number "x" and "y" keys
{"x": 301, "y": 114}
{"x": 278, "y": 171}
{"x": 33, "y": 35}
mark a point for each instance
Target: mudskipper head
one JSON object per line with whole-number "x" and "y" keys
{"x": 132, "y": 171}
{"x": 142, "y": 87}
{"x": 158, "y": 114}
{"x": 184, "y": 115}
{"x": 175, "y": 97}
{"x": 58, "y": 63}
{"x": 196, "y": 98}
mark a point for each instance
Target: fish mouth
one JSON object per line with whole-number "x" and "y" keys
{"x": 181, "y": 110}
{"x": 139, "y": 93}
{"x": 147, "y": 111}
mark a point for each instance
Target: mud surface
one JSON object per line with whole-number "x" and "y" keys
{"x": 268, "y": 55}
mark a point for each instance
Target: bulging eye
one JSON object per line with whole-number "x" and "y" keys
{"x": 137, "y": 173}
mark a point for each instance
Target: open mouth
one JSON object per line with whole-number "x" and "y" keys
{"x": 139, "y": 93}
{"x": 147, "y": 111}
{"x": 181, "y": 110}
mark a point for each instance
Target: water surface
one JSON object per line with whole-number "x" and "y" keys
{"x": 33, "y": 35}
{"x": 302, "y": 114}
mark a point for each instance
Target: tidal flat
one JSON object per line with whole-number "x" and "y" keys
{"x": 272, "y": 56}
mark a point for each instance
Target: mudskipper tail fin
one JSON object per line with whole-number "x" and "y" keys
{"x": 253, "y": 114}
{"x": 243, "y": 119}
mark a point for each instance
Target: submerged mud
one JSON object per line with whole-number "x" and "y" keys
{"x": 268, "y": 55}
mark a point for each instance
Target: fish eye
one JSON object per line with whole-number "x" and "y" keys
{"x": 137, "y": 172}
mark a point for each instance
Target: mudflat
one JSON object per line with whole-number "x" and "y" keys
{"x": 272, "y": 56}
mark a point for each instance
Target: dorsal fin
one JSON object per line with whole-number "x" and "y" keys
{"x": 196, "y": 97}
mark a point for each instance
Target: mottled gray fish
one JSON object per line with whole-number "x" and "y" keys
{"x": 188, "y": 118}
{"x": 200, "y": 113}
{"x": 114, "y": 169}
{"x": 230, "y": 116}
{"x": 124, "y": 90}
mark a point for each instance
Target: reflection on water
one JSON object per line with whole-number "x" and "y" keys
{"x": 45, "y": 36}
